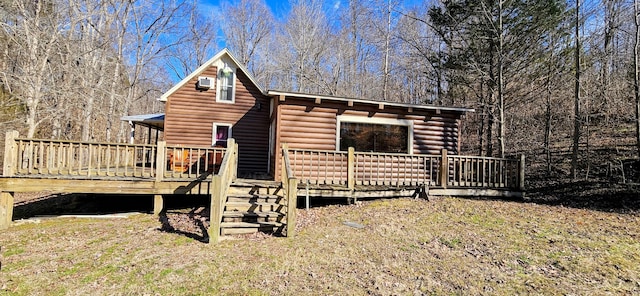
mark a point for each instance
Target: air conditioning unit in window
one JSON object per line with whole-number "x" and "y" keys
{"x": 204, "y": 83}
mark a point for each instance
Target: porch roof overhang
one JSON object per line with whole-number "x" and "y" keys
{"x": 155, "y": 120}
{"x": 351, "y": 101}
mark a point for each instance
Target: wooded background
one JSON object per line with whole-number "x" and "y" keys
{"x": 547, "y": 78}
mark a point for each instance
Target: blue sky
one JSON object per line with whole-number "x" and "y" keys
{"x": 280, "y": 8}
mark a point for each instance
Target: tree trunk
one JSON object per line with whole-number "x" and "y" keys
{"x": 576, "y": 109}
{"x": 501, "y": 132}
{"x": 387, "y": 49}
{"x": 636, "y": 11}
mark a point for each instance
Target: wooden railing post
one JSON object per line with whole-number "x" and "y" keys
{"x": 444, "y": 169}
{"x": 161, "y": 160}
{"x": 10, "y": 164}
{"x": 215, "y": 213}
{"x": 292, "y": 205}
{"x": 521, "y": 165}
{"x": 290, "y": 189}
{"x": 231, "y": 143}
{"x": 351, "y": 169}
{"x": 283, "y": 165}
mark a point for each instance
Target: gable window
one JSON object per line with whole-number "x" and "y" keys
{"x": 226, "y": 85}
{"x": 375, "y": 134}
{"x": 221, "y": 134}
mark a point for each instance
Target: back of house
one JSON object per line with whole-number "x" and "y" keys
{"x": 221, "y": 100}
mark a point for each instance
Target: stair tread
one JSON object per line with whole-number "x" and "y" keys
{"x": 247, "y": 213}
{"x": 250, "y": 182}
{"x": 252, "y": 195}
{"x": 249, "y": 224}
{"x": 250, "y": 202}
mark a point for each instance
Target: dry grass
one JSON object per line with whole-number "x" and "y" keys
{"x": 407, "y": 247}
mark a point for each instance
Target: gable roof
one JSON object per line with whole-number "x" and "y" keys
{"x": 207, "y": 64}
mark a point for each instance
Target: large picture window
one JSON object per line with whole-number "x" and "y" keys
{"x": 371, "y": 135}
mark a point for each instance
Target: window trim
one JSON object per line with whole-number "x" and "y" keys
{"x": 375, "y": 120}
{"x": 215, "y": 128}
{"x": 219, "y": 86}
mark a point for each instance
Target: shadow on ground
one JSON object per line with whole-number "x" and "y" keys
{"x": 192, "y": 224}
{"x": 185, "y": 215}
{"x": 592, "y": 195}
{"x": 82, "y": 204}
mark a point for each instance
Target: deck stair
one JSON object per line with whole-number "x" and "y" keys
{"x": 252, "y": 206}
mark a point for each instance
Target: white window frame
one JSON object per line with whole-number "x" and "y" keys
{"x": 219, "y": 86}
{"x": 215, "y": 129}
{"x": 375, "y": 120}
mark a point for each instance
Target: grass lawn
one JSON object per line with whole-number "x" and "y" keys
{"x": 407, "y": 247}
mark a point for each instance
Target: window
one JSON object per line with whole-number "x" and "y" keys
{"x": 221, "y": 133}
{"x": 375, "y": 134}
{"x": 226, "y": 83}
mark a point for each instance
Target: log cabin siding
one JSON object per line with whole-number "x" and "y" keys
{"x": 191, "y": 113}
{"x": 306, "y": 125}
{"x": 303, "y": 124}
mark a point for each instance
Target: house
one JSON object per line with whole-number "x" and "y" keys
{"x": 221, "y": 100}
{"x": 219, "y": 123}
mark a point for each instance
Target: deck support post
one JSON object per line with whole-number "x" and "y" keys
{"x": 351, "y": 169}
{"x": 444, "y": 169}
{"x": 158, "y": 204}
{"x": 521, "y": 165}
{"x": 10, "y": 154}
{"x": 161, "y": 160}
{"x": 6, "y": 209}
{"x": 215, "y": 213}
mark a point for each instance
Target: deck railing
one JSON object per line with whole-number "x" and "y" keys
{"x": 319, "y": 166}
{"x": 192, "y": 162}
{"x": 220, "y": 186}
{"x": 392, "y": 169}
{"x": 486, "y": 172}
{"x": 54, "y": 158}
{"x": 352, "y": 168}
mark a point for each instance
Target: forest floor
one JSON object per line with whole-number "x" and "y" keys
{"x": 563, "y": 240}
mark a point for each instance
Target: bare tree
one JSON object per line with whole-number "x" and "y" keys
{"x": 196, "y": 45}
{"x": 246, "y": 25}
{"x": 149, "y": 25}
{"x": 636, "y": 84}
{"x": 34, "y": 37}
{"x": 306, "y": 41}
{"x": 576, "y": 106}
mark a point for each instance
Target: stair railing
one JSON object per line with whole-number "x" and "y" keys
{"x": 220, "y": 184}
{"x": 290, "y": 188}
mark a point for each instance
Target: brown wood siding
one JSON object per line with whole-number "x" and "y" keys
{"x": 432, "y": 133}
{"x": 303, "y": 124}
{"x": 190, "y": 114}
{"x": 304, "y": 129}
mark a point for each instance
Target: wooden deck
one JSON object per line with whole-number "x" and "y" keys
{"x": 33, "y": 165}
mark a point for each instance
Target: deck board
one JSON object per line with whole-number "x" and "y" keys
{"x": 110, "y": 185}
